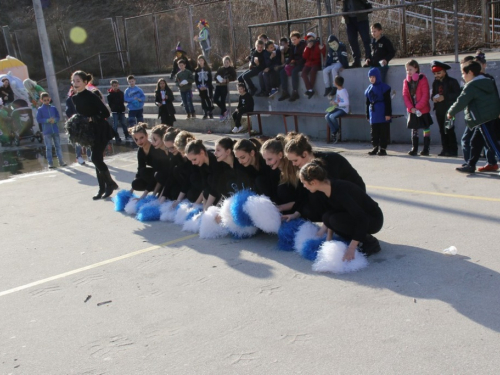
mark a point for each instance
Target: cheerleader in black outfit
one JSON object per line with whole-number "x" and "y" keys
{"x": 163, "y": 168}
{"x": 88, "y": 104}
{"x": 350, "y": 212}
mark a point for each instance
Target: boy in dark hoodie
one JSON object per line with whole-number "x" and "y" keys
{"x": 269, "y": 77}
{"x": 481, "y": 105}
{"x": 445, "y": 90}
{"x": 293, "y": 68}
{"x": 116, "y": 102}
{"x": 382, "y": 51}
{"x": 336, "y": 60}
{"x": 245, "y": 104}
{"x": 378, "y": 111}
{"x": 255, "y": 66}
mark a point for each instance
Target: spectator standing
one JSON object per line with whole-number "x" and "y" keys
{"x": 184, "y": 80}
{"x": 116, "y": 102}
{"x": 164, "y": 100}
{"x": 203, "y": 79}
{"x": 180, "y": 54}
{"x": 224, "y": 75}
{"x": 204, "y": 39}
{"x": 336, "y": 60}
{"x": 357, "y": 24}
{"x": 445, "y": 91}
{"x": 48, "y": 116}
{"x": 382, "y": 51}
{"x": 135, "y": 98}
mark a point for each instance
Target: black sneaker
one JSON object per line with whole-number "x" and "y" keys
{"x": 466, "y": 169}
{"x": 373, "y": 152}
{"x": 310, "y": 94}
{"x": 370, "y": 245}
{"x": 284, "y": 96}
{"x": 327, "y": 91}
{"x": 333, "y": 138}
{"x": 294, "y": 97}
{"x": 382, "y": 152}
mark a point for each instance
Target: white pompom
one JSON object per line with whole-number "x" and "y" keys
{"x": 307, "y": 231}
{"x": 167, "y": 212}
{"x": 330, "y": 256}
{"x": 193, "y": 224}
{"x": 264, "y": 213}
{"x": 209, "y": 228}
{"x": 131, "y": 206}
{"x": 182, "y": 212}
{"x": 228, "y": 222}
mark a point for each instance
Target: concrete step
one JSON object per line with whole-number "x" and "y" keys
{"x": 150, "y": 97}
{"x": 153, "y": 79}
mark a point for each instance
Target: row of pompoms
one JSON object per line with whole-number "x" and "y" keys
{"x": 242, "y": 215}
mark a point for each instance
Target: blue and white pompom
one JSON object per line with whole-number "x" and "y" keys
{"x": 133, "y": 205}
{"x": 310, "y": 248}
{"x": 149, "y": 212}
{"x": 286, "y": 234}
{"x": 167, "y": 211}
{"x": 121, "y": 199}
{"x": 227, "y": 219}
{"x": 307, "y": 231}
{"x": 193, "y": 219}
{"x": 182, "y": 212}
{"x": 209, "y": 228}
{"x": 263, "y": 213}
{"x": 329, "y": 259}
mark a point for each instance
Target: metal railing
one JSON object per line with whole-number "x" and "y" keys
{"x": 98, "y": 55}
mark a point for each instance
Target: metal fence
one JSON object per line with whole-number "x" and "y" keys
{"x": 150, "y": 39}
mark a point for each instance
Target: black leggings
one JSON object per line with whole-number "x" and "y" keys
{"x": 145, "y": 180}
{"x": 344, "y": 224}
{"x": 98, "y": 157}
{"x": 220, "y": 96}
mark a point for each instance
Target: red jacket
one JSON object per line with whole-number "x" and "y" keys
{"x": 422, "y": 95}
{"x": 312, "y": 56}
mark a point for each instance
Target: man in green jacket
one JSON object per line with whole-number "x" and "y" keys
{"x": 481, "y": 107}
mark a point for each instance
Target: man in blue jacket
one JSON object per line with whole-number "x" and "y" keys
{"x": 135, "y": 98}
{"x": 336, "y": 60}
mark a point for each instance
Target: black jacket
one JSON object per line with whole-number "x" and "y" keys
{"x": 339, "y": 167}
{"x": 89, "y": 105}
{"x": 354, "y": 5}
{"x": 116, "y": 101}
{"x": 226, "y": 73}
{"x": 260, "y": 57}
{"x": 449, "y": 88}
{"x": 169, "y": 102}
{"x": 245, "y": 103}
{"x": 382, "y": 49}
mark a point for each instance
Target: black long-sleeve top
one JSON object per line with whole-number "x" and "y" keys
{"x": 339, "y": 167}
{"x": 155, "y": 158}
{"x": 450, "y": 89}
{"x": 230, "y": 180}
{"x": 297, "y": 53}
{"x": 349, "y": 198}
{"x": 208, "y": 173}
{"x": 382, "y": 49}
{"x": 228, "y": 73}
{"x": 70, "y": 107}
{"x": 245, "y": 103}
{"x": 260, "y": 57}
{"x": 89, "y": 105}
{"x": 6, "y": 94}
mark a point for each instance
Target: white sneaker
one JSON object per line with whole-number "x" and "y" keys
{"x": 80, "y": 160}
{"x": 239, "y": 129}
{"x": 235, "y": 129}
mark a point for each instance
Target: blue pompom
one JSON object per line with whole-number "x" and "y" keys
{"x": 146, "y": 200}
{"x": 310, "y": 249}
{"x": 240, "y": 217}
{"x": 193, "y": 212}
{"x": 286, "y": 234}
{"x": 149, "y": 213}
{"x": 121, "y": 199}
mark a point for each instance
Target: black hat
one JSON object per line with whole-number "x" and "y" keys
{"x": 437, "y": 66}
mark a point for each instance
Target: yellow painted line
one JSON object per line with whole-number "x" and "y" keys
{"x": 95, "y": 265}
{"x": 434, "y": 193}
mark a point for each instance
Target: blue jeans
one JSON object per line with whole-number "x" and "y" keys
{"x": 78, "y": 150}
{"x": 135, "y": 116}
{"x": 331, "y": 119}
{"x": 187, "y": 100}
{"x": 466, "y": 146}
{"x": 48, "y": 139}
{"x": 119, "y": 118}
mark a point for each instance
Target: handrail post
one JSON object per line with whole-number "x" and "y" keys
{"x": 100, "y": 65}
{"x": 433, "y": 31}
{"x": 455, "y": 15}
{"x": 403, "y": 29}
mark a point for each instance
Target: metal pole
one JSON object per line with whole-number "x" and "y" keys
{"x": 127, "y": 45}
{"x": 403, "y": 30}
{"x": 191, "y": 28}
{"x": 100, "y": 65}
{"x": 486, "y": 21}
{"x": 287, "y": 17}
{"x": 231, "y": 26}
{"x": 46, "y": 54}
{"x": 492, "y": 23}
{"x": 157, "y": 43}
{"x": 320, "y": 30}
{"x": 455, "y": 14}
{"x": 8, "y": 41}
{"x": 433, "y": 31}
{"x": 250, "y": 37}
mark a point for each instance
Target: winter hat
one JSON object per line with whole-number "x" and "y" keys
{"x": 310, "y": 34}
{"x": 203, "y": 22}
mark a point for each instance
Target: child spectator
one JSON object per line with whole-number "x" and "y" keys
{"x": 48, "y": 116}
{"x": 203, "y": 78}
{"x": 180, "y": 54}
{"x": 357, "y": 23}
{"x": 184, "y": 80}
{"x": 340, "y": 104}
{"x": 378, "y": 111}
{"x": 116, "y": 102}
{"x": 225, "y": 74}
{"x": 4, "y": 128}
{"x": 245, "y": 104}
{"x": 255, "y": 66}
{"x": 6, "y": 92}
{"x": 204, "y": 39}
{"x": 382, "y": 51}
{"x": 269, "y": 77}
{"x": 312, "y": 57}
{"x": 293, "y": 68}
{"x": 481, "y": 105}
{"x": 164, "y": 100}
{"x": 445, "y": 90}
{"x": 285, "y": 53}
{"x": 135, "y": 98}
{"x": 336, "y": 60}
{"x": 416, "y": 98}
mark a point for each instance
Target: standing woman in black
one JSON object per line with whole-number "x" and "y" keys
{"x": 164, "y": 98}
{"x": 349, "y": 212}
{"x": 88, "y": 104}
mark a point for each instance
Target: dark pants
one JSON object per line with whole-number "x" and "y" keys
{"x": 363, "y": 28}
{"x": 268, "y": 80}
{"x": 466, "y": 145}
{"x": 246, "y": 78}
{"x": 309, "y": 81}
{"x": 165, "y": 117}
{"x": 383, "y": 72}
{"x": 380, "y": 134}
{"x": 237, "y": 118}
{"x": 344, "y": 224}
{"x": 119, "y": 118}
{"x": 135, "y": 116}
{"x": 295, "y": 78}
{"x": 98, "y": 157}
{"x": 448, "y": 136}
{"x": 145, "y": 180}
{"x": 206, "y": 102}
{"x": 220, "y": 97}
{"x": 485, "y": 136}
{"x": 187, "y": 100}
